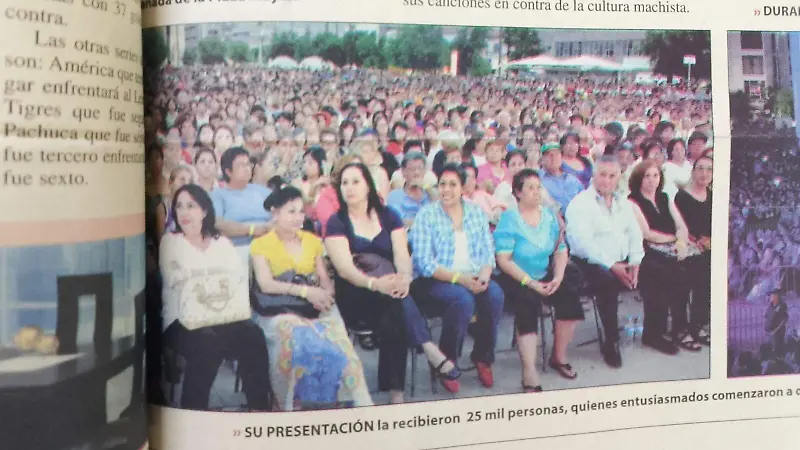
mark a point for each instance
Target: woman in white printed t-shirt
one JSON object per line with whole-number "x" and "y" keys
{"x": 196, "y": 260}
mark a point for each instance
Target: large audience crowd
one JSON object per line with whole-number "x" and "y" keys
{"x": 764, "y": 256}
{"x": 362, "y": 203}
{"x": 764, "y": 224}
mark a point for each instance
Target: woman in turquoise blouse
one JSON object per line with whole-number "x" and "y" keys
{"x": 534, "y": 259}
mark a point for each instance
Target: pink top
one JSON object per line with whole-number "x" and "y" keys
{"x": 327, "y": 205}
{"x": 485, "y": 172}
{"x": 487, "y": 202}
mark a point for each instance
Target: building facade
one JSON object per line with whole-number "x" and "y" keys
{"x": 616, "y": 46}
{"x": 757, "y": 61}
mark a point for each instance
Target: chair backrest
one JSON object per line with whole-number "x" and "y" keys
{"x": 70, "y": 289}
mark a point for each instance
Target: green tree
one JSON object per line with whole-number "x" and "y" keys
{"x": 522, "y": 43}
{"x": 470, "y": 43}
{"x": 303, "y": 47}
{"x": 329, "y": 47}
{"x": 780, "y": 101}
{"x": 190, "y": 56}
{"x": 369, "y": 51}
{"x": 156, "y": 50}
{"x": 418, "y": 47}
{"x": 480, "y": 67}
{"x": 212, "y": 50}
{"x": 283, "y": 44}
{"x": 667, "y": 48}
{"x": 239, "y": 51}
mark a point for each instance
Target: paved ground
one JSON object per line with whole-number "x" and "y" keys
{"x": 640, "y": 365}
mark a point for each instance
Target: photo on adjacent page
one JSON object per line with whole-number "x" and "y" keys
{"x": 72, "y": 345}
{"x": 349, "y": 215}
{"x": 764, "y": 250}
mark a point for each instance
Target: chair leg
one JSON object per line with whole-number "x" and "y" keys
{"x": 434, "y": 386}
{"x": 597, "y": 321}
{"x": 237, "y": 381}
{"x": 543, "y": 334}
{"x": 413, "y": 354}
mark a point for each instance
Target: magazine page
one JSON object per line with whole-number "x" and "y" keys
{"x": 72, "y": 276}
{"x": 444, "y": 224}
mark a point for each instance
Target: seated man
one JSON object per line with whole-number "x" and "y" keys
{"x": 415, "y": 192}
{"x": 562, "y": 186}
{"x": 399, "y": 177}
{"x": 606, "y": 241}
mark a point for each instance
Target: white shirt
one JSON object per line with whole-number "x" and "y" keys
{"x": 399, "y": 181}
{"x": 461, "y": 261}
{"x": 503, "y": 193}
{"x": 676, "y": 176}
{"x": 601, "y": 235}
{"x": 186, "y": 269}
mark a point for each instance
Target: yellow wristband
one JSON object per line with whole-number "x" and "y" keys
{"x": 252, "y": 230}
{"x": 369, "y": 284}
{"x": 525, "y": 281}
{"x": 455, "y": 278}
{"x": 304, "y": 292}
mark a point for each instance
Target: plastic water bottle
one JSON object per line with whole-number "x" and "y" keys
{"x": 629, "y": 331}
{"x": 638, "y": 325}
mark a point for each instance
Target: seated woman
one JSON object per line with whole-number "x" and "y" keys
{"x": 364, "y": 226}
{"x": 302, "y": 325}
{"x": 328, "y": 201}
{"x": 313, "y": 179}
{"x": 454, "y": 258}
{"x": 178, "y": 177}
{"x": 663, "y": 275}
{"x": 533, "y": 257}
{"x": 694, "y": 204}
{"x": 187, "y": 256}
{"x": 490, "y": 205}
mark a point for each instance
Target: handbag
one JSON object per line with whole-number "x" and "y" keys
{"x": 670, "y": 249}
{"x": 273, "y": 304}
{"x": 215, "y": 299}
{"x": 373, "y": 264}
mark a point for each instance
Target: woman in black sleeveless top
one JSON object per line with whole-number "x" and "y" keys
{"x": 694, "y": 203}
{"x": 663, "y": 275}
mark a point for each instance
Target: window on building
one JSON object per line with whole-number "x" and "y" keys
{"x": 751, "y": 40}
{"x": 755, "y": 89}
{"x": 752, "y": 65}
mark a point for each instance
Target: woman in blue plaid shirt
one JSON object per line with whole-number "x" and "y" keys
{"x": 453, "y": 254}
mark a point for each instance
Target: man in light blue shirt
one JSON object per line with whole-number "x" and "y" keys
{"x": 562, "y": 186}
{"x": 607, "y": 243}
{"x": 408, "y": 200}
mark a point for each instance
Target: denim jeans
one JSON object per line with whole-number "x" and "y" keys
{"x": 458, "y": 305}
{"x": 417, "y": 331}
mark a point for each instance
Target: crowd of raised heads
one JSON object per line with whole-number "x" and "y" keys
{"x": 764, "y": 220}
{"x": 363, "y": 203}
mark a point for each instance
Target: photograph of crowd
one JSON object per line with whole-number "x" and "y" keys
{"x": 513, "y": 210}
{"x": 764, "y": 240}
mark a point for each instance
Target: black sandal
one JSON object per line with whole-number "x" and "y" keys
{"x": 452, "y": 374}
{"x": 531, "y": 389}
{"x": 367, "y": 342}
{"x": 687, "y": 342}
{"x": 565, "y": 370}
{"x": 704, "y": 338}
